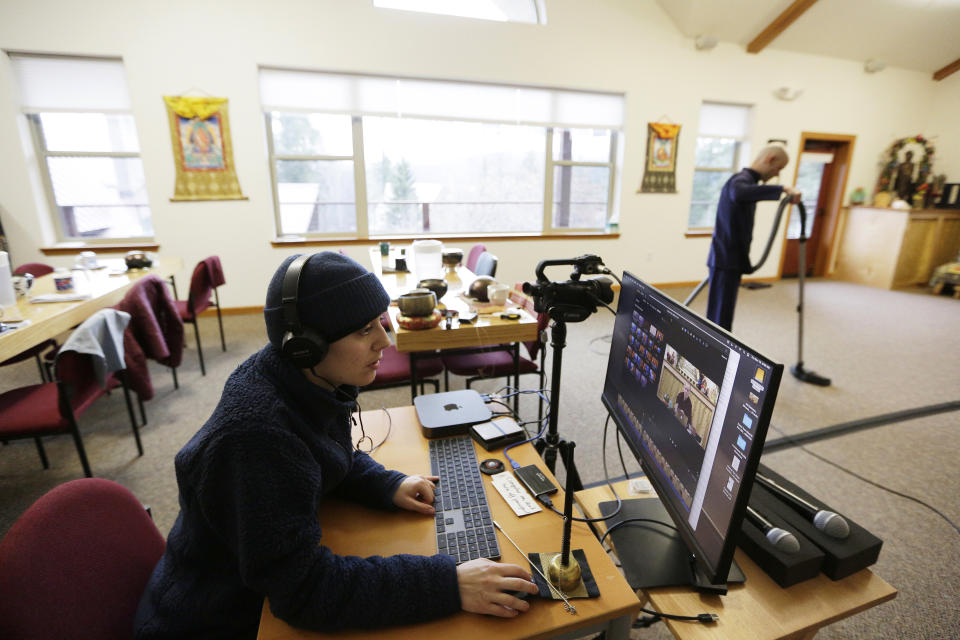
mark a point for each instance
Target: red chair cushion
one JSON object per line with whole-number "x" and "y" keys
{"x": 488, "y": 363}
{"x": 76, "y": 563}
{"x": 36, "y": 269}
{"x": 395, "y": 367}
{"x": 31, "y": 409}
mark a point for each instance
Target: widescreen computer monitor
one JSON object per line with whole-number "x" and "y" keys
{"x": 693, "y": 404}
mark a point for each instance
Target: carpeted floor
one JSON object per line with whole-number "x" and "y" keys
{"x": 885, "y": 351}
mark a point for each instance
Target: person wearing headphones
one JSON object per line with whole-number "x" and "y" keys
{"x": 253, "y": 477}
{"x": 729, "y": 255}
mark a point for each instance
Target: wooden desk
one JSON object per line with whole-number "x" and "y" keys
{"x": 352, "y": 529}
{"x": 50, "y": 319}
{"x": 486, "y": 330}
{"x": 758, "y": 609}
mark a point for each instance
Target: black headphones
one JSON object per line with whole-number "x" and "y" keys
{"x": 302, "y": 345}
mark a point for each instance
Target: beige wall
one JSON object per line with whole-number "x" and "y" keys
{"x": 628, "y": 46}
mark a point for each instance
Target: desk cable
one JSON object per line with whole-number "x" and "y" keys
{"x": 549, "y": 504}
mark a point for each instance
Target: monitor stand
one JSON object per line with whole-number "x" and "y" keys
{"x": 653, "y": 555}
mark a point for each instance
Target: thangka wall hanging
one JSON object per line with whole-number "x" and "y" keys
{"x": 660, "y": 175}
{"x": 203, "y": 152}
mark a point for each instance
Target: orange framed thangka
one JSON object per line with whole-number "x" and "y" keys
{"x": 660, "y": 173}
{"x": 203, "y": 152}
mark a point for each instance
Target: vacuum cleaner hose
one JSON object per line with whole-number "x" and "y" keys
{"x": 766, "y": 250}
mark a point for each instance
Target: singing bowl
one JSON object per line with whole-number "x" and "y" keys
{"x": 478, "y": 288}
{"x": 417, "y": 304}
{"x": 437, "y": 285}
{"x": 452, "y": 257}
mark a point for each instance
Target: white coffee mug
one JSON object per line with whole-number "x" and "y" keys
{"x": 497, "y": 293}
{"x": 22, "y": 284}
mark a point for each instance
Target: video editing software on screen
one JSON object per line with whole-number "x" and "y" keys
{"x": 689, "y": 399}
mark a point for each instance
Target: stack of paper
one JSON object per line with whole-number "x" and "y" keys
{"x": 60, "y": 297}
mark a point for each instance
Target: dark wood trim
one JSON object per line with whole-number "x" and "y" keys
{"x": 303, "y": 242}
{"x": 779, "y": 24}
{"x": 843, "y": 157}
{"x": 103, "y": 248}
{"x": 940, "y": 74}
{"x": 698, "y": 233}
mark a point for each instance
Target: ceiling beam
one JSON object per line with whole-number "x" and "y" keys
{"x": 779, "y": 24}
{"x": 940, "y": 74}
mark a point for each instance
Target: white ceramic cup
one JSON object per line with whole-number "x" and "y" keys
{"x": 497, "y": 293}
{"x": 22, "y": 284}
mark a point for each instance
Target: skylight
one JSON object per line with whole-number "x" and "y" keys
{"x": 529, "y": 11}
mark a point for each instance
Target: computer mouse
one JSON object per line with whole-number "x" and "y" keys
{"x": 523, "y": 595}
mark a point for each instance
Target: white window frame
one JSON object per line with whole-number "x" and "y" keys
{"x": 741, "y": 142}
{"x": 358, "y": 112}
{"x": 33, "y": 117}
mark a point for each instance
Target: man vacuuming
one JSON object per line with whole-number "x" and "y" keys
{"x": 729, "y": 255}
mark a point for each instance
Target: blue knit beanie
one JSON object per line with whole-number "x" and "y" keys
{"x": 336, "y": 297}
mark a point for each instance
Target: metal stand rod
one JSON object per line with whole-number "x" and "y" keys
{"x": 797, "y": 370}
{"x": 551, "y": 443}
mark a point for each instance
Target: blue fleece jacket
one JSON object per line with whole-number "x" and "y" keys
{"x": 251, "y": 482}
{"x": 733, "y": 229}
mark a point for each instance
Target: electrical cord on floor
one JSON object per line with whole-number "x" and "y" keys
{"x": 867, "y": 480}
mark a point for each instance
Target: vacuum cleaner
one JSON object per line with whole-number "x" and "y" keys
{"x": 798, "y": 370}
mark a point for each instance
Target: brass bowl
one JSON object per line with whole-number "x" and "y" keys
{"x": 452, "y": 257}
{"x": 437, "y": 285}
{"x": 478, "y": 288}
{"x": 417, "y": 303}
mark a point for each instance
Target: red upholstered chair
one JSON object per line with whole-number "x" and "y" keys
{"x": 474, "y": 254}
{"x": 395, "y": 368}
{"x": 35, "y": 269}
{"x": 76, "y": 562}
{"x": 395, "y": 371}
{"x": 52, "y": 408}
{"x": 155, "y": 322}
{"x": 207, "y": 276}
{"x": 498, "y": 362}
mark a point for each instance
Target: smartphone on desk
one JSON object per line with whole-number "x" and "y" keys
{"x": 468, "y": 317}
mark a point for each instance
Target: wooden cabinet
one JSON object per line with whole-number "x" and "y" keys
{"x": 888, "y": 248}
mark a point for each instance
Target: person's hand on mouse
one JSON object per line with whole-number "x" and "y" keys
{"x": 483, "y": 585}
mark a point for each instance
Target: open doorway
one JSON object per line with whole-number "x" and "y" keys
{"x": 821, "y": 175}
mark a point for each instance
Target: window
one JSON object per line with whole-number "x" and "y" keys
{"x": 530, "y": 11}
{"x": 360, "y": 156}
{"x": 86, "y": 140}
{"x": 722, "y": 150}
{"x": 809, "y": 180}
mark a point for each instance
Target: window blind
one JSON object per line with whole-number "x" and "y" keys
{"x": 286, "y": 90}
{"x": 50, "y": 83}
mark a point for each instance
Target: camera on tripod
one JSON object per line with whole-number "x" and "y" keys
{"x": 572, "y": 300}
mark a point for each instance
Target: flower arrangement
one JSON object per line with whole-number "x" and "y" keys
{"x": 892, "y": 159}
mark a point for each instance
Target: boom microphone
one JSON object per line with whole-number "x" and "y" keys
{"x": 830, "y": 523}
{"x": 781, "y": 539}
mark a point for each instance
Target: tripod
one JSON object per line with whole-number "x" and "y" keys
{"x": 570, "y": 301}
{"x": 549, "y": 445}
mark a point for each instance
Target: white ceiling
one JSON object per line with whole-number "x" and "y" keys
{"x": 923, "y": 35}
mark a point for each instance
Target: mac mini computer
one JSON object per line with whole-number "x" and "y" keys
{"x": 451, "y": 413}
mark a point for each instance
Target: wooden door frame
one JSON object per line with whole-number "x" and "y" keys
{"x": 843, "y": 156}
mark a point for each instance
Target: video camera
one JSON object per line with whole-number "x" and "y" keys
{"x": 574, "y": 300}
